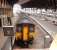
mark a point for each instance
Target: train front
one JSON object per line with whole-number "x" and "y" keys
{"x": 25, "y": 31}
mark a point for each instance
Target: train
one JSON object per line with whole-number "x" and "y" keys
{"x": 25, "y": 33}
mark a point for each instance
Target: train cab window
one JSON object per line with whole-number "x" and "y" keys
{"x": 31, "y": 28}
{"x": 19, "y": 28}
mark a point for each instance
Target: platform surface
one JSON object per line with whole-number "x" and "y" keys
{"x": 2, "y": 39}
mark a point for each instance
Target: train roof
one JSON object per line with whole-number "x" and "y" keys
{"x": 25, "y": 20}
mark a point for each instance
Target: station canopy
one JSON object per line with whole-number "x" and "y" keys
{"x": 36, "y": 3}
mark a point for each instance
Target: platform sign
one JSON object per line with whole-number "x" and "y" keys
{"x": 8, "y": 30}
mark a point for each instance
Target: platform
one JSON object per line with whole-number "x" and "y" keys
{"x": 3, "y": 39}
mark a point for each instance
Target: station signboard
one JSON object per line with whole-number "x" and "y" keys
{"x": 8, "y": 30}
